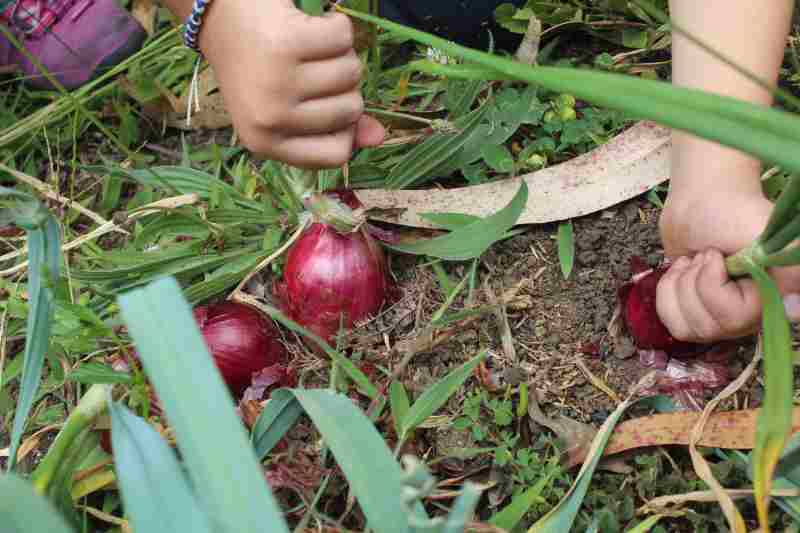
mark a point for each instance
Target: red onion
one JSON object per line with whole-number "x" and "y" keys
{"x": 638, "y": 301}
{"x": 334, "y": 278}
{"x": 241, "y": 340}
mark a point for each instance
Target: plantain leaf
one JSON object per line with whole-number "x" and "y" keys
{"x": 474, "y": 239}
{"x": 155, "y": 491}
{"x": 775, "y": 416}
{"x": 220, "y": 462}
{"x": 438, "y": 149}
{"x": 24, "y": 511}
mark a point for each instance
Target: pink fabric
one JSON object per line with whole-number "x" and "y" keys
{"x": 74, "y": 39}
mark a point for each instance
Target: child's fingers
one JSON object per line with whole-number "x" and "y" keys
{"x": 734, "y": 304}
{"x": 703, "y": 326}
{"x": 316, "y": 151}
{"x": 369, "y": 132}
{"x": 319, "y": 38}
{"x": 329, "y": 77}
{"x": 667, "y": 302}
{"x": 326, "y": 115}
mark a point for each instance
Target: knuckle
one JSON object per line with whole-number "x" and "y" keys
{"x": 354, "y": 109}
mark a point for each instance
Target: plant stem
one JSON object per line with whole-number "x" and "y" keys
{"x": 92, "y": 404}
{"x": 738, "y": 264}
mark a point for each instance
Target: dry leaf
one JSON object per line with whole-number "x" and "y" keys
{"x": 627, "y": 166}
{"x": 171, "y": 110}
{"x": 732, "y": 430}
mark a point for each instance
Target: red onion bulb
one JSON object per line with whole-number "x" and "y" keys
{"x": 332, "y": 280}
{"x": 638, "y": 301}
{"x": 241, "y": 340}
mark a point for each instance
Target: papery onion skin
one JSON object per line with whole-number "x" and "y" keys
{"x": 240, "y": 339}
{"x": 333, "y": 280}
{"x": 638, "y": 301}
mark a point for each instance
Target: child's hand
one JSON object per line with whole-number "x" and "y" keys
{"x": 290, "y": 81}
{"x": 696, "y": 299}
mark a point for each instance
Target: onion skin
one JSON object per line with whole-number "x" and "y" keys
{"x": 638, "y": 301}
{"x": 333, "y": 280}
{"x": 241, "y": 340}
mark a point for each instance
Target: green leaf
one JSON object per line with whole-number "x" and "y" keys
{"x": 437, "y": 395}
{"x": 419, "y": 162}
{"x": 463, "y": 509}
{"x": 566, "y": 248}
{"x": 773, "y": 135}
{"x": 277, "y": 417}
{"x": 398, "y": 399}
{"x": 24, "y": 511}
{"x": 562, "y": 516}
{"x": 219, "y": 459}
{"x": 359, "y": 449}
{"x": 646, "y": 525}
{"x": 94, "y": 372}
{"x": 155, "y": 491}
{"x": 774, "y": 422}
{"x": 513, "y": 513}
{"x": 498, "y": 158}
{"x": 44, "y": 256}
{"x": 474, "y": 239}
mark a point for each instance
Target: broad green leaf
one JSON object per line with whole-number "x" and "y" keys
{"x": 474, "y": 239}
{"x": 566, "y": 248}
{"x": 498, "y": 158}
{"x": 155, "y": 491}
{"x": 44, "y": 256}
{"x": 775, "y": 415}
{"x": 398, "y": 400}
{"x": 773, "y": 135}
{"x": 562, "y": 516}
{"x": 449, "y": 221}
{"x": 437, "y": 395}
{"x": 277, "y": 417}
{"x": 24, "y": 511}
{"x": 94, "y": 372}
{"x": 360, "y": 451}
{"x": 219, "y": 459}
{"x": 511, "y": 515}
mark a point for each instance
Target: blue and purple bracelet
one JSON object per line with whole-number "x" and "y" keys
{"x": 193, "y": 22}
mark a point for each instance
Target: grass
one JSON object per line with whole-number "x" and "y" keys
{"x": 480, "y": 429}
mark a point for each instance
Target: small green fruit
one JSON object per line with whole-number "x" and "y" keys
{"x": 567, "y": 113}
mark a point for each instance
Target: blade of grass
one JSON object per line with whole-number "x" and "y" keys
{"x": 278, "y": 416}
{"x": 44, "y": 256}
{"x": 474, "y": 239}
{"x": 566, "y": 248}
{"x": 23, "y": 511}
{"x": 154, "y": 488}
{"x": 513, "y": 513}
{"x": 219, "y": 459}
{"x": 359, "y": 449}
{"x": 398, "y": 400}
{"x": 562, "y": 516}
{"x": 436, "y": 396}
{"x": 775, "y": 416}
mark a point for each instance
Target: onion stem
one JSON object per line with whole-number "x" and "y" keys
{"x": 91, "y": 405}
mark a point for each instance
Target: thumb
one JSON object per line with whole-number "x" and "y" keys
{"x": 369, "y": 132}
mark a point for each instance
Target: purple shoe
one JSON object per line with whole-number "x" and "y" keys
{"x": 76, "y": 40}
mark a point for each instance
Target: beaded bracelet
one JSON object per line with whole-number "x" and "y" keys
{"x": 193, "y": 23}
